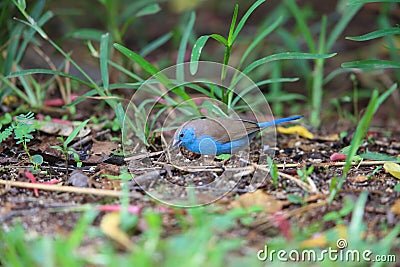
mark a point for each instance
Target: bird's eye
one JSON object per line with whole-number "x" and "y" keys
{"x": 181, "y": 135}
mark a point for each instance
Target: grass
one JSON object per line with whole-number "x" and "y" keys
{"x": 202, "y": 237}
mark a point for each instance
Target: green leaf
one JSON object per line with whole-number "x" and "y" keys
{"x": 148, "y": 10}
{"x": 258, "y": 39}
{"x": 198, "y": 47}
{"x": 302, "y": 24}
{"x": 375, "y": 34}
{"x": 196, "y": 52}
{"x": 152, "y": 70}
{"x": 294, "y": 199}
{"x": 155, "y": 44}
{"x": 348, "y": 14}
{"x": 51, "y": 72}
{"x": 104, "y": 60}
{"x": 147, "y": 66}
{"x": 232, "y": 28}
{"x": 85, "y": 34}
{"x": 219, "y": 38}
{"x": 182, "y": 48}
{"x": 371, "y": 64}
{"x": 75, "y": 132}
{"x": 223, "y": 156}
{"x": 37, "y": 159}
{"x": 370, "y": 155}
{"x": 244, "y": 19}
{"x": 355, "y": 2}
{"x": 282, "y": 56}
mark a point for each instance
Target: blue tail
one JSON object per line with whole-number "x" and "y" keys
{"x": 275, "y": 122}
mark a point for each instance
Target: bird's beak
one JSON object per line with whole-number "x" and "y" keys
{"x": 176, "y": 143}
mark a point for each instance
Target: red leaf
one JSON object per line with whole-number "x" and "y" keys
{"x": 33, "y": 180}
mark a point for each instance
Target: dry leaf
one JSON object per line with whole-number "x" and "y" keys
{"x": 62, "y": 129}
{"x": 110, "y": 227}
{"x": 396, "y": 207}
{"x": 392, "y": 168}
{"x": 258, "y": 198}
{"x": 321, "y": 241}
{"x": 299, "y": 130}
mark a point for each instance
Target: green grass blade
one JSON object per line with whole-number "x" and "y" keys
{"x": 198, "y": 47}
{"x": 258, "y": 39}
{"x": 302, "y": 23}
{"x": 85, "y": 34}
{"x": 75, "y": 132}
{"x": 152, "y": 70}
{"x": 104, "y": 41}
{"x": 348, "y": 14}
{"x": 232, "y": 27}
{"x": 356, "y": 2}
{"x": 375, "y": 34}
{"x": 182, "y": 47}
{"x": 15, "y": 89}
{"x": 371, "y": 64}
{"x": 148, "y": 10}
{"x": 155, "y": 44}
{"x": 147, "y": 66}
{"x": 282, "y": 56}
{"x": 244, "y": 19}
{"x": 360, "y": 132}
{"x": 196, "y": 52}
{"x": 51, "y": 72}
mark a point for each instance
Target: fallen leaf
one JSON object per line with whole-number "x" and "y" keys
{"x": 322, "y": 241}
{"x": 360, "y": 178}
{"x": 110, "y": 227}
{"x": 63, "y": 129}
{"x": 392, "y": 168}
{"x": 283, "y": 224}
{"x": 33, "y": 180}
{"x": 258, "y": 198}
{"x": 396, "y": 207}
{"x": 299, "y": 130}
{"x": 106, "y": 147}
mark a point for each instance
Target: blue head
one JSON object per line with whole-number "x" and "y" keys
{"x": 184, "y": 137}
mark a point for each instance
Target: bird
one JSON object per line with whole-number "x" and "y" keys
{"x": 215, "y": 136}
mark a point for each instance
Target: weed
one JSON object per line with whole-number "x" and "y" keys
{"x": 23, "y": 129}
{"x": 67, "y": 150}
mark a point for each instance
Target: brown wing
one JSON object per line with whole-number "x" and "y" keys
{"x": 223, "y": 129}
